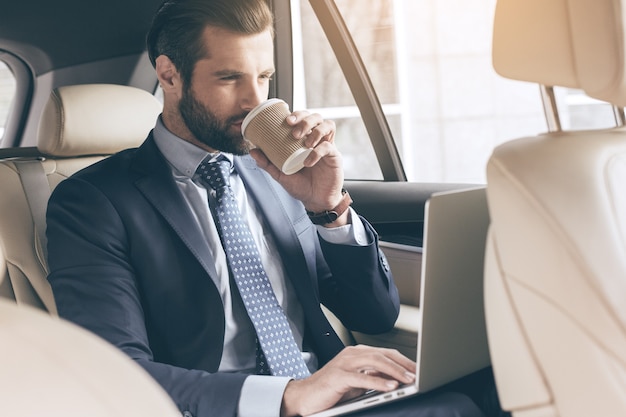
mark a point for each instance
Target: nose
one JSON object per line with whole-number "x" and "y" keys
{"x": 254, "y": 93}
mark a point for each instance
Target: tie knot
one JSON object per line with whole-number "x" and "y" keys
{"x": 216, "y": 173}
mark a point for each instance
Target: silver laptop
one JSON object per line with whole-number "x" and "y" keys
{"x": 452, "y": 338}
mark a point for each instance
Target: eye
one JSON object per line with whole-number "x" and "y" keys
{"x": 267, "y": 77}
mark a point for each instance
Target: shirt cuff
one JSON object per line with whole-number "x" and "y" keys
{"x": 352, "y": 233}
{"x": 262, "y": 396}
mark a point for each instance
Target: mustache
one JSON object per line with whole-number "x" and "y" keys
{"x": 236, "y": 119}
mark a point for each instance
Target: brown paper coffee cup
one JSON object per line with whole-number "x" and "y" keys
{"x": 266, "y": 128}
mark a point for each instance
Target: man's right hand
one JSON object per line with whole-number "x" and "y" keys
{"x": 354, "y": 370}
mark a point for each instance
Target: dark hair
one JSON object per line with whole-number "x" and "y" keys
{"x": 178, "y": 25}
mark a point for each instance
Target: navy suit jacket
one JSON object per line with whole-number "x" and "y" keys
{"x": 128, "y": 262}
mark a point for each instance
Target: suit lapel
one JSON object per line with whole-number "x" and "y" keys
{"x": 286, "y": 219}
{"x": 296, "y": 241}
{"x": 155, "y": 181}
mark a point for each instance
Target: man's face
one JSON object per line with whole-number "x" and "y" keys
{"x": 225, "y": 86}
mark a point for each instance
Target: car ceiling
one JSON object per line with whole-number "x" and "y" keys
{"x": 57, "y": 34}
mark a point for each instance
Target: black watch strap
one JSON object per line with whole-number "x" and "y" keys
{"x": 329, "y": 216}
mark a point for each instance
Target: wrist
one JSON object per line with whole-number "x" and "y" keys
{"x": 337, "y": 216}
{"x": 288, "y": 407}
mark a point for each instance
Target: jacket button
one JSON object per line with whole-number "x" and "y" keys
{"x": 187, "y": 414}
{"x": 383, "y": 261}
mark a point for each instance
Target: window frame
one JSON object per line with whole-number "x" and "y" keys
{"x": 19, "y": 111}
{"x": 354, "y": 71}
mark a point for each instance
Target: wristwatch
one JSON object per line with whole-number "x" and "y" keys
{"x": 329, "y": 216}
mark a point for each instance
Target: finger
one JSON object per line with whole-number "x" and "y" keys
{"x": 399, "y": 358}
{"x": 345, "y": 381}
{"x": 304, "y": 123}
{"x": 325, "y": 131}
{"x": 326, "y": 150}
{"x": 392, "y": 353}
{"x": 300, "y": 115}
{"x": 384, "y": 367}
{"x": 370, "y": 361}
{"x": 317, "y": 153}
{"x": 296, "y": 117}
{"x": 371, "y": 371}
{"x": 371, "y": 381}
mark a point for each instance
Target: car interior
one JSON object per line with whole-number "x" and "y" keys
{"x": 554, "y": 255}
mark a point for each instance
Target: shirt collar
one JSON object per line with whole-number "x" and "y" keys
{"x": 183, "y": 156}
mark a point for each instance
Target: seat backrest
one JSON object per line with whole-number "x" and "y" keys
{"x": 80, "y": 125}
{"x": 555, "y": 275}
{"x": 51, "y": 367}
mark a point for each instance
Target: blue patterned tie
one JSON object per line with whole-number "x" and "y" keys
{"x": 274, "y": 337}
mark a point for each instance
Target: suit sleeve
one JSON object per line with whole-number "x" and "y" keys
{"x": 95, "y": 286}
{"x": 360, "y": 289}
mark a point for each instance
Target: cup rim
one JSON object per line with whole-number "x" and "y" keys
{"x": 257, "y": 109}
{"x": 295, "y": 162}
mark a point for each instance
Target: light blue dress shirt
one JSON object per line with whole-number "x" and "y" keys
{"x": 261, "y": 395}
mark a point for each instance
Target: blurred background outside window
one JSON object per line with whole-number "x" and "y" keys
{"x": 7, "y": 93}
{"x": 430, "y": 63}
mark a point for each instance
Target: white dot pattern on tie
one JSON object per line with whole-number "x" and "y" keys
{"x": 278, "y": 351}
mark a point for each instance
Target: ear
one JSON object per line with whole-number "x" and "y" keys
{"x": 168, "y": 75}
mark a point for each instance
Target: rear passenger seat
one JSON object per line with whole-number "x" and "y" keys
{"x": 80, "y": 125}
{"x": 50, "y": 366}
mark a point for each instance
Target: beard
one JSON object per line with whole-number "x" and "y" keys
{"x": 209, "y": 129}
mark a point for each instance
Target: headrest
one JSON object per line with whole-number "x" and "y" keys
{"x": 598, "y": 35}
{"x": 567, "y": 43}
{"x": 96, "y": 119}
{"x": 531, "y": 42}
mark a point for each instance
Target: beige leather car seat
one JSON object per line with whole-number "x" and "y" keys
{"x": 53, "y": 368}
{"x": 555, "y": 279}
{"x": 80, "y": 125}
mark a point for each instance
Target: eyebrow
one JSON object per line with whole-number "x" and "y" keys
{"x": 230, "y": 73}
{"x": 226, "y": 73}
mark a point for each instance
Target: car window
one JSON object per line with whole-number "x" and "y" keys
{"x": 430, "y": 64}
{"x": 431, "y": 69}
{"x": 577, "y": 111}
{"x": 7, "y": 94}
{"x": 319, "y": 86}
